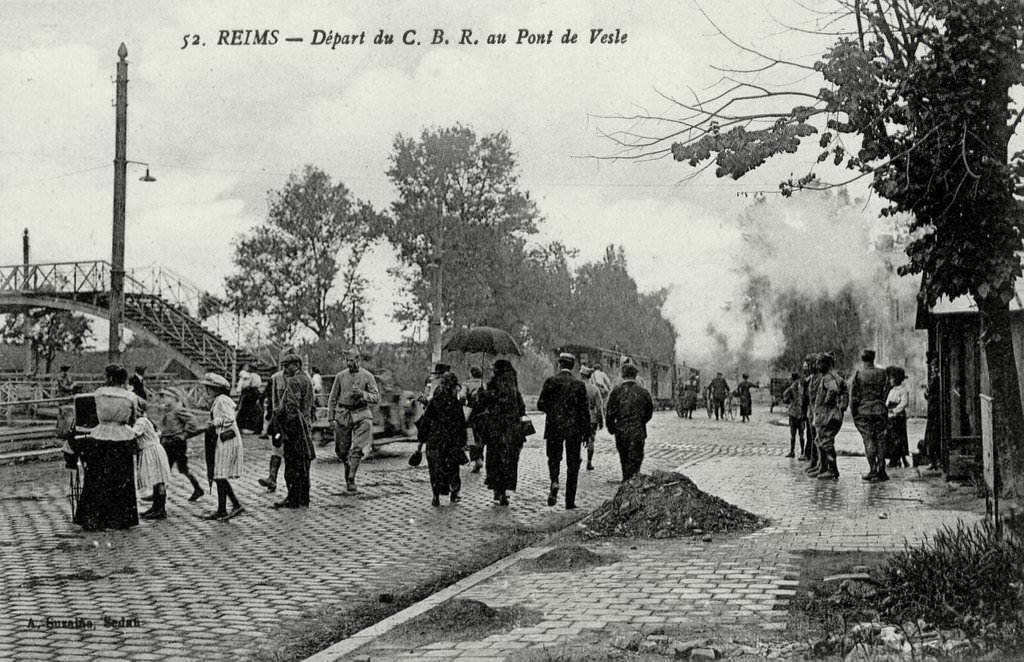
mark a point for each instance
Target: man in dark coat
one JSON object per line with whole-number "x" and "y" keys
{"x": 718, "y": 389}
{"x": 629, "y": 408}
{"x": 564, "y": 399}
{"x": 292, "y": 418}
{"x": 867, "y": 405}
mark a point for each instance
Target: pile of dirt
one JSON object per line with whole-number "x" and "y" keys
{"x": 571, "y": 557}
{"x": 461, "y": 620}
{"x": 666, "y": 505}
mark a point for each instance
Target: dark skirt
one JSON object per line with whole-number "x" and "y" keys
{"x": 744, "y": 407}
{"x": 250, "y": 413}
{"x": 502, "y": 462}
{"x": 108, "y": 488}
{"x": 899, "y": 447}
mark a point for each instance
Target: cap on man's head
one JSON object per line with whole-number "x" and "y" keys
{"x": 290, "y": 357}
{"x": 65, "y": 368}
{"x": 867, "y": 355}
{"x": 566, "y": 356}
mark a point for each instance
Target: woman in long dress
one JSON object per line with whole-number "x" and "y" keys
{"x": 108, "y": 454}
{"x": 442, "y": 429}
{"x": 504, "y": 410}
{"x": 154, "y": 472}
{"x": 222, "y": 430}
{"x": 896, "y": 403}
{"x": 743, "y": 392}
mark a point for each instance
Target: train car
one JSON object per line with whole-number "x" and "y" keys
{"x": 659, "y": 377}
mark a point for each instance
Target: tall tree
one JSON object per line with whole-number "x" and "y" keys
{"x": 926, "y": 86}
{"x": 288, "y": 268}
{"x": 609, "y": 310}
{"x": 47, "y": 332}
{"x": 461, "y": 218}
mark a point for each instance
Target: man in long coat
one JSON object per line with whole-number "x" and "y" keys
{"x": 292, "y": 414}
{"x": 629, "y": 409}
{"x": 867, "y": 405}
{"x": 564, "y": 399}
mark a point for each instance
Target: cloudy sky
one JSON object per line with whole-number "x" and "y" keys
{"x": 220, "y": 125}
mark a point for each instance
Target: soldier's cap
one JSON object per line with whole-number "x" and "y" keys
{"x": 290, "y": 357}
{"x": 566, "y": 356}
{"x": 827, "y": 356}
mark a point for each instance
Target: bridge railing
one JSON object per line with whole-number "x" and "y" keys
{"x": 57, "y": 277}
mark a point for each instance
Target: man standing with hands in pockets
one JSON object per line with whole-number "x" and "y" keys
{"x": 352, "y": 393}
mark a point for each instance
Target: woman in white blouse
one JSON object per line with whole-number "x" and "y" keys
{"x": 222, "y": 431}
{"x": 896, "y": 404}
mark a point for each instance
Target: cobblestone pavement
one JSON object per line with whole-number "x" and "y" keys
{"x": 742, "y": 581}
{"x": 217, "y": 590}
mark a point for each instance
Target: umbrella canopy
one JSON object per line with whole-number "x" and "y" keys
{"x": 482, "y": 340}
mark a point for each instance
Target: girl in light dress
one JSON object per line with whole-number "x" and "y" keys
{"x": 153, "y": 471}
{"x": 222, "y": 431}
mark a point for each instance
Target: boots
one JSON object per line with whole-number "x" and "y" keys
{"x": 350, "y": 474}
{"x": 880, "y": 474}
{"x": 831, "y": 468}
{"x": 196, "y": 490}
{"x": 270, "y": 482}
{"x": 872, "y": 473}
{"x": 158, "y": 511}
{"x": 152, "y": 497}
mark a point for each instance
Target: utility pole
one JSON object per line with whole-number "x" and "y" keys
{"x": 25, "y": 260}
{"x": 437, "y": 309}
{"x": 116, "y": 309}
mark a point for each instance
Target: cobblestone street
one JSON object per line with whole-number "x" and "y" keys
{"x": 218, "y": 590}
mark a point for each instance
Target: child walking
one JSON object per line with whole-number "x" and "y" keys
{"x": 153, "y": 471}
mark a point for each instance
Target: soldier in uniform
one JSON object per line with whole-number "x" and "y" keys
{"x": 829, "y": 405}
{"x": 352, "y": 393}
{"x": 867, "y": 406}
{"x": 292, "y": 413}
{"x": 812, "y": 380}
{"x": 273, "y": 395}
{"x": 793, "y": 398}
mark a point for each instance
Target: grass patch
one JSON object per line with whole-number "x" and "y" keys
{"x": 320, "y": 628}
{"x": 811, "y": 616}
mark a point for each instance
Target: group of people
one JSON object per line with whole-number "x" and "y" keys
{"x": 136, "y": 443}
{"x": 816, "y": 402}
{"x": 142, "y": 436}
{"x": 717, "y": 397}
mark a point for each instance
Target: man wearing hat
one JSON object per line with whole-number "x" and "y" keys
{"x": 273, "y": 395}
{"x": 292, "y": 412}
{"x": 353, "y": 392}
{"x": 434, "y": 379}
{"x": 829, "y": 405}
{"x": 867, "y": 406}
{"x": 595, "y": 404}
{"x": 629, "y": 409}
{"x": 564, "y": 399}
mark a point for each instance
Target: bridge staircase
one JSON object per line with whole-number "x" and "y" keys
{"x": 157, "y": 302}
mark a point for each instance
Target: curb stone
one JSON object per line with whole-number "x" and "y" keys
{"x": 368, "y": 635}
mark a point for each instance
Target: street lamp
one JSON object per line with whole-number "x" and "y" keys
{"x": 116, "y": 303}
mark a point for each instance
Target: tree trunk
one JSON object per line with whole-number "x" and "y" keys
{"x": 1004, "y": 385}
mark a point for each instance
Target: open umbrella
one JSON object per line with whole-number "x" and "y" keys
{"x": 482, "y": 340}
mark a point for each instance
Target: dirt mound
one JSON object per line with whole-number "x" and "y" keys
{"x": 461, "y": 620}
{"x": 567, "y": 558}
{"x": 666, "y": 505}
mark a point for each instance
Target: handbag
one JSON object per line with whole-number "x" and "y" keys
{"x": 417, "y": 457}
{"x": 227, "y": 435}
{"x": 526, "y": 426}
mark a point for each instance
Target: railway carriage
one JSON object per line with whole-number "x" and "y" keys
{"x": 662, "y": 378}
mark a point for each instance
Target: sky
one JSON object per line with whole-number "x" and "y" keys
{"x": 220, "y": 125}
